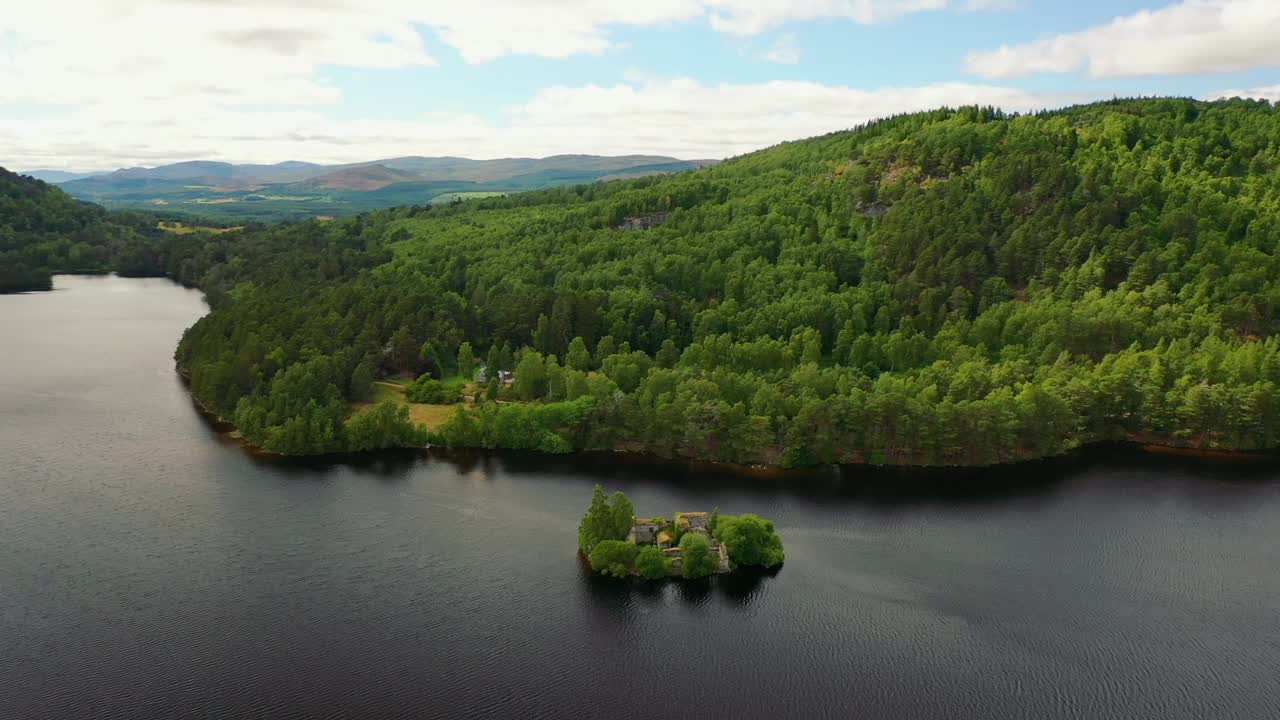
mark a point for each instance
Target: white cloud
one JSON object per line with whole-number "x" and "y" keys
{"x": 1193, "y": 36}
{"x": 89, "y": 83}
{"x": 383, "y": 33}
{"x": 678, "y": 117}
{"x": 1271, "y": 93}
{"x": 750, "y": 17}
{"x": 1001, "y": 5}
{"x": 546, "y": 28}
{"x": 206, "y": 52}
{"x": 784, "y": 51}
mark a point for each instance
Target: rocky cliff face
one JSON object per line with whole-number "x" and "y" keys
{"x": 642, "y": 222}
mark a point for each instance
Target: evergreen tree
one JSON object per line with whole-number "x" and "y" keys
{"x": 432, "y": 358}
{"x": 578, "y": 357}
{"x": 466, "y": 361}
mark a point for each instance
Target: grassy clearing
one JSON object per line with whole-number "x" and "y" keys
{"x": 432, "y": 416}
{"x": 178, "y": 228}
{"x": 450, "y": 197}
{"x": 458, "y": 382}
{"x": 387, "y": 391}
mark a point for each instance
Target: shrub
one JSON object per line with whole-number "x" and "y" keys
{"x": 615, "y": 558}
{"x": 427, "y": 390}
{"x": 651, "y": 564}
{"x": 553, "y": 443}
{"x": 750, "y": 540}
{"x": 696, "y": 558}
{"x": 384, "y": 425}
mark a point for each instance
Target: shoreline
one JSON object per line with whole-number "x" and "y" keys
{"x": 1204, "y": 453}
{"x": 1144, "y": 442}
{"x": 1150, "y": 444}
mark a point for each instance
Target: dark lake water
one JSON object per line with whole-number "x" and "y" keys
{"x": 151, "y": 568}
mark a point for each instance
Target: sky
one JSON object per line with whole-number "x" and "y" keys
{"x": 101, "y": 84}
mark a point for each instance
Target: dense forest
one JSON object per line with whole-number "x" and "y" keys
{"x": 951, "y": 287}
{"x": 43, "y": 231}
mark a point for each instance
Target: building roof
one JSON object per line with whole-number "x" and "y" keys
{"x": 695, "y": 520}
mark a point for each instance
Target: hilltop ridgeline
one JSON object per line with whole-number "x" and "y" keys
{"x": 292, "y": 191}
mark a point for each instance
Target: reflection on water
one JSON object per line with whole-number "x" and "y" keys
{"x": 628, "y": 595}
{"x": 743, "y": 586}
{"x": 150, "y": 567}
{"x": 849, "y": 485}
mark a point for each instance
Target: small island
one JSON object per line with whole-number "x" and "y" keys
{"x": 691, "y": 545}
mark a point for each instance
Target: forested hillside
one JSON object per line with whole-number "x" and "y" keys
{"x": 946, "y": 287}
{"x": 43, "y": 230}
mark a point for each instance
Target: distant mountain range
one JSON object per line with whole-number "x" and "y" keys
{"x": 295, "y": 190}
{"x": 57, "y": 176}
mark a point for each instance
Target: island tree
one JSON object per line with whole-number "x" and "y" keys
{"x": 696, "y": 558}
{"x": 651, "y": 564}
{"x": 615, "y": 558}
{"x": 605, "y": 519}
{"x": 749, "y": 540}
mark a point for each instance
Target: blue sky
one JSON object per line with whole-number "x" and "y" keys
{"x": 917, "y": 49}
{"x": 144, "y": 82}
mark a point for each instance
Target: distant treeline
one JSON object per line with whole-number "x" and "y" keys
{"x": 44, "y": 231}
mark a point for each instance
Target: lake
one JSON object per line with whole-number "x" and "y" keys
{"x": 150, "y": 567}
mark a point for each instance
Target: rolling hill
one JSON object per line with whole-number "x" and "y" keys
{"x": 58, "y": 176}
{"x": 962, "y": 286}
{"x": 299, "y": 190}
{"x": 364, "y": 177}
